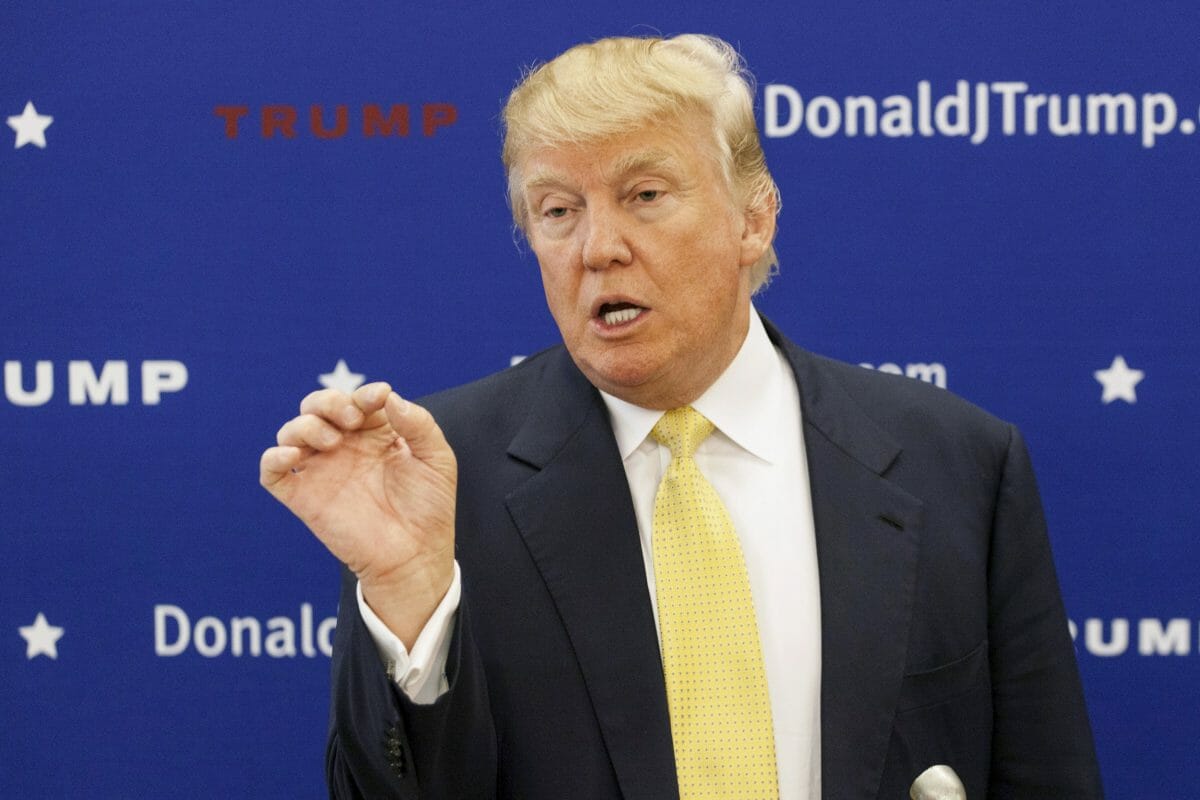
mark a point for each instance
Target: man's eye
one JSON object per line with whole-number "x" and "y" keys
{"x": 556, "y": 212}
{"x": 648, "y": 195}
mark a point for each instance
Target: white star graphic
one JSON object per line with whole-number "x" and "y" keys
{"x": 41, "y": 638}
{"x": 341, "y": 378}
{"x": 1119, "y": 381}
{"x": 30, "y": 127}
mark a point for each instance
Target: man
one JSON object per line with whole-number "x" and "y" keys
{"x": 868, "y": 589}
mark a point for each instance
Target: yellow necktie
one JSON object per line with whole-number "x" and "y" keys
{"x": 716, "y": 684}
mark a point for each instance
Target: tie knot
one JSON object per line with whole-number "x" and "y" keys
{"x": 682, "y": 430}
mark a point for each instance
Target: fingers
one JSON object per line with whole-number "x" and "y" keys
{"x": 277, "y": 462}
{"x": 328, "y": 416}
{"x": 309, "y": 430}
{"x": 346, "y": 411}
{"x": 324, "y": 416}
{"x": 419, "y": 430}
{"x": 371, "y": 397}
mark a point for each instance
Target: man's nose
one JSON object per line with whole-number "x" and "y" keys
{"x": 604, "y": 239}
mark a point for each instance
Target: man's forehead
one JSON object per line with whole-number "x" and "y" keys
{"x": 611, "y": 161}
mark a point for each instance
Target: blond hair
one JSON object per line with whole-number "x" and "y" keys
{"x": 612, "y": 86}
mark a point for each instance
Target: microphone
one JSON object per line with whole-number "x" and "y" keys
{"x": 939, "y": 782}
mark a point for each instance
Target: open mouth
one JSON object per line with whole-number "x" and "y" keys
{"x": 614, "y": 314}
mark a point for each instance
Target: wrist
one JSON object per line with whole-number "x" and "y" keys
{"x": 405, "y": 601}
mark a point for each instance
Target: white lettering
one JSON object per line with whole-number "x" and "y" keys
{"x": 1093, "y": 637}
{"x": 200, "y": 638}
{"x": 248, "y": 626}
{"x": 982, "y": 100}
{"x": 1008, "y": 91}
{"x": 772, "y": 94}
{"x": 1054, "y": 119}
{"x": 933, "y": 372}
{"x": 865, "y": 106}
{"x": 306, "y": 630}
{"x": 1032, "y": 103}
{"x": 325, "y": 635}
{"x": 833, "y": 117}
{"x": 1152, "y": 125}
{"x": 281, "y": 641}
{"x": 952, "y": 114}
{"x": 1111, "y": 105}
{"x": 43, "y": 385}
{"x": 161, "y": 646}
{"x": 162, "y": 376}
{"x": 897, "y": 117}
{"x": 83, "y": 386}
{"x": 967, "y": 110}
{"x": 923, "y": 104}
{"x": 1155, "y": 639}
{"x": 242, "y": 635}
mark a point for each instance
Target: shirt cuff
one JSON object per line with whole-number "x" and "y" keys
{"x": 421, "y": 674}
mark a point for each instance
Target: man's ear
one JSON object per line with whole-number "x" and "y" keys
{"x": 759, "y": 230}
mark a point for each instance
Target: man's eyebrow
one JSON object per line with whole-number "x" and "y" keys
{"x": 543, "y": 178}
{"x": 652, "y": 160}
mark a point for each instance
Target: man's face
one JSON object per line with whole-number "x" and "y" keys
{"x": 644, "y": 258}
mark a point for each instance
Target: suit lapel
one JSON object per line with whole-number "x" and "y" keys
{"x": 577, "y": 519}
{"x": 867, "y": 533}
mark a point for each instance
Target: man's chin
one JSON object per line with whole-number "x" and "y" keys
{"x": 621, "y": 379}
{"x": 644, "y": 388}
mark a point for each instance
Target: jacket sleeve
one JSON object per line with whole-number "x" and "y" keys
{"x": 1042, "y": 742}
{"x": 381, "y": 745}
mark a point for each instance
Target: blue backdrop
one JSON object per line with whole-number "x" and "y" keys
{"x": 207, "y": 207}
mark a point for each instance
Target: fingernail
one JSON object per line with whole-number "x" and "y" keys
{"x": 401, "y": 403}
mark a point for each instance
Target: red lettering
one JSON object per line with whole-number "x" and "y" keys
{"x": 394, "y": 124}
{"x": 378, "y": 120}
{"x": 342, "y": 117}
{"x": 231, "y": 114}
{"x": 437, "y": 115}
{"x": 278, "y": 118}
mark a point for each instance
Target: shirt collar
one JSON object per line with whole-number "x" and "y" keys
{"x": 743, "y": 403}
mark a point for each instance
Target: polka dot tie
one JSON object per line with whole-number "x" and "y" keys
{"x": 716, "y": 684}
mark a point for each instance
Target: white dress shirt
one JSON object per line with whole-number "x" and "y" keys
{"x": 755, "y": 460}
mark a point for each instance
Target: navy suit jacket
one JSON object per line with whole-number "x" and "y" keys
{"x": 944, "y": 639}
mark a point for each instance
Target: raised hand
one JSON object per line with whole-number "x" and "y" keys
{"x": 374, "y": 479}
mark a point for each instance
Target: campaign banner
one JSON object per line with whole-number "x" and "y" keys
{"x": 211, "y": 210}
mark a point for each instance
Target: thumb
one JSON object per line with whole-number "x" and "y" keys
{"x": 418, "y": 428}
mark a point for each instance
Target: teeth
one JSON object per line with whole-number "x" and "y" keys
{"x": 624, "y": 315}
